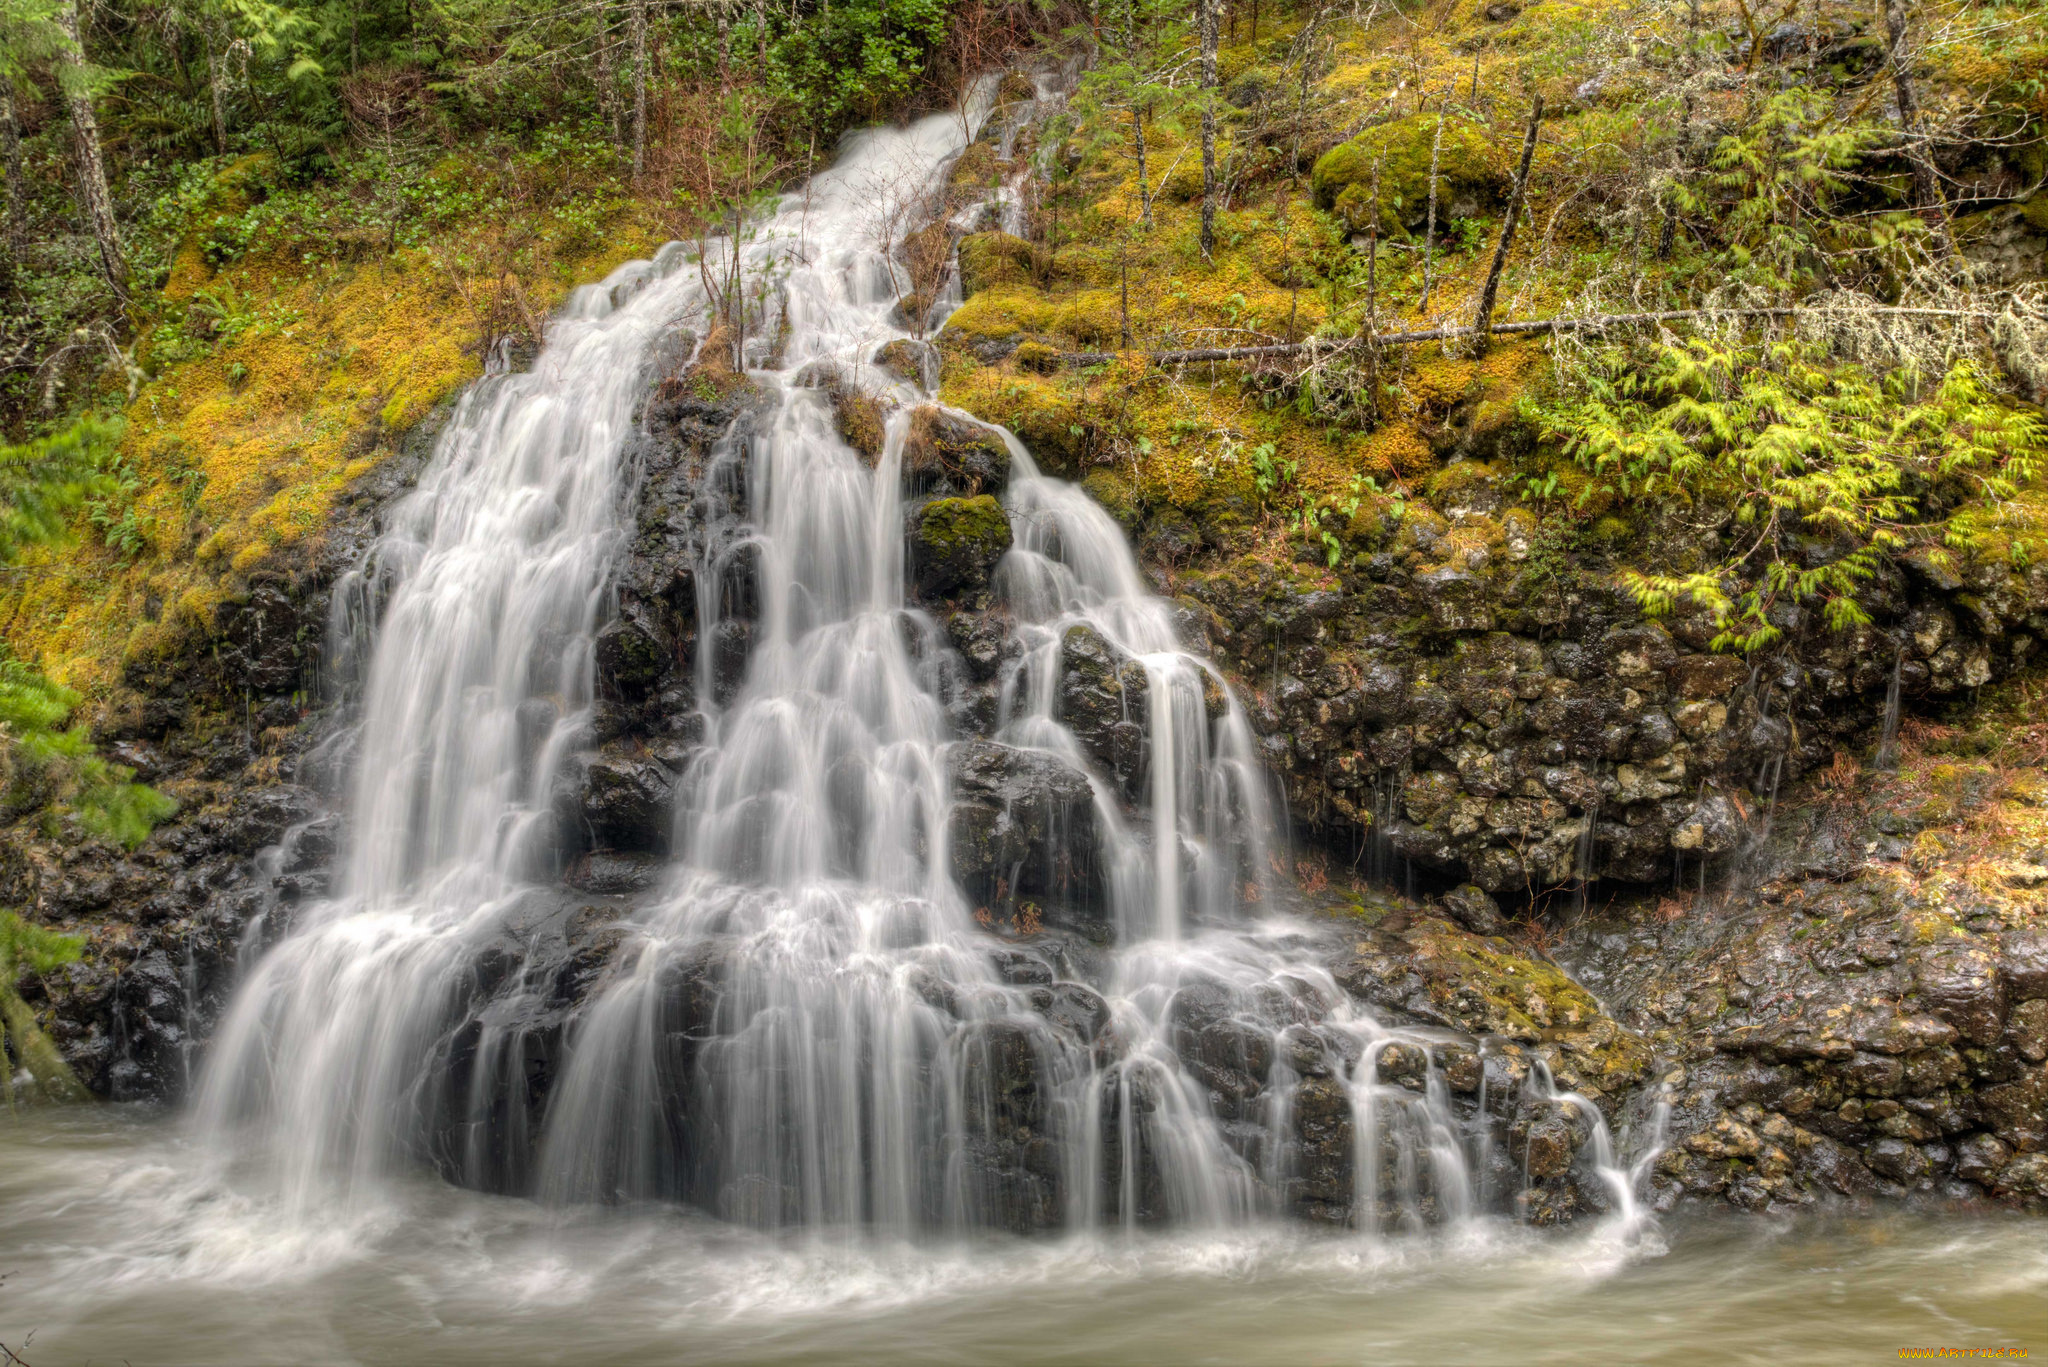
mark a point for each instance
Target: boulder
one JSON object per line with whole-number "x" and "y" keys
{"x": 1470, "y": 173}
{"x": 1455, "y": 601}
{"x": 1022, "y": 825}
{"x": 1958, "y": 980}
{"x": 955, "y": 544}
{"x": 626, "y": 803}
{"x": 948, "y": 455}
{"x": 2017, "y": 1111}
{"x": 1104, "y": 696}
{"x": 631, "y": 655}
{"x": 1474, "y": 908}
{"x": 911, "y": 362}
{"x": 2023, "y": 959}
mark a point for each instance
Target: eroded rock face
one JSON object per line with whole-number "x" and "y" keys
{"x": 1487, "y": 715}
{"x": 237, "y": 730}
{"x": 1868, "y": 1033}
{"x": 1501, "y": 732}
{"x": 1023, "y": 827}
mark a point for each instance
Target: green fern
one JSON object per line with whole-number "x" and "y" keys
{"x": 1797, "y": 448}
{"x": 44, "y": 481}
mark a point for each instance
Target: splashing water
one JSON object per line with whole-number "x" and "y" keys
{"x": 808, "y": 1027}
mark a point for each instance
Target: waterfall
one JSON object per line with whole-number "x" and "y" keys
{"x": 808, "y": 1025}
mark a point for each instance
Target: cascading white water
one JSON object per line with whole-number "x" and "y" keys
{"x": 807, "y": 1028}
{"x": 496, "y": 571}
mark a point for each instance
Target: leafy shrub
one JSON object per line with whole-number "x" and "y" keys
{"x": 1820, "y": 469}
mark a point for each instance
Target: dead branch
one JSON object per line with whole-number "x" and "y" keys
{"x": 1532, "y": 328}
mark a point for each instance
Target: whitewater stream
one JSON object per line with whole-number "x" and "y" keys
{"x": 812, "y": 1111}
{"x": 113, "y": 1250}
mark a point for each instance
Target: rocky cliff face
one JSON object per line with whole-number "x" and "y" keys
{"x": 245, "y": 733}
{"x": 1455, "y": 712}
{"x": 1474, "y": 703}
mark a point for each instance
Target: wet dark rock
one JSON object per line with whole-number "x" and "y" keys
{"x": 2017, "y": 1111}
{"x": 631, "y": 655}
{"x": 1455, "y": 601}
{"x": 2024, "y": 1178}
{"x": 1980, "y": 1158}
{"x": 1549, "y": 1136}
{"x": 2026, "y": 1029}
{"x": 614, "y": 871}
{"x": 981, "y": 642}
{"x": 1472, "y": 908}
{"x": 1958, "y": 980}
{"x": 1022, "y": 826}
{"x": 1075, "y": 1008}
{"x": 1103, "y": 699}
{"x": 626, "y": 803}
{"x": 2023, "y": 960}
{"x": 912, "y": 362}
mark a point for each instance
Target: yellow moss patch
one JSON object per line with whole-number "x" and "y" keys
{"x": 239, "y": 454}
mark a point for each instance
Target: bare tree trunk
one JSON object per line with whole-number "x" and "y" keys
{"x": 1927, "y": 196}
{"x": 1667, "y": 236}
{"x": 724, "y": 45}
{"x": 1372, "y": 259}
{"x": 1205, "y": 12}
{"x": 1137, "y": 116}
{"x": 97, "y": 202}
{"x": 1507, "y": 228}
{"x": 1123, "y": 264}
{"x": 216, "y": 74}
{"x": 639, "y": 88}
{"x": 1436, "y": 147}
{"x": 17, "y": 179}
{"x": 607, "y": 76}
{"x": 1144, "y": 185}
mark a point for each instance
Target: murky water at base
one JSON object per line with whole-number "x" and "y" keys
{"x": 115, "y": 1247}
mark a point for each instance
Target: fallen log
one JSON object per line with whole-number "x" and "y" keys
{"x": 1533, "y": 327}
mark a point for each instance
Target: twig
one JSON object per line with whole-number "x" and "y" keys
{"x": 1507, "y": 227}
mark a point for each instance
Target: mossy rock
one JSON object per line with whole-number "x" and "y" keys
{"x": 1091, "y": 317}
{"x": 1115, "y": 494}
{"x": 911, "y": 311}
{"x": 905, "y": 359}
{"x": 1487, "y": 987}
{"x": 1000, "y": 313}
{"x": 991, "y": 259}
{"x": 956, "y": 543}
{"x": 1038, "y": 358}
{"x": 858, "y": 416}
{"x": 975, "y": 169}
{"x": 1057, "y": 437}
{"x": 2035, "y": 211}
{"x": 1471, "y": 173}
{"x": 1183, "y": 184}
{"x": 943, "y": 454}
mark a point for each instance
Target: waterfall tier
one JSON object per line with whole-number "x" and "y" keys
{"x": 954, "y": 904}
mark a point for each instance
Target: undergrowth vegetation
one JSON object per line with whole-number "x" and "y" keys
{"x": 320, "y": 222}
{"x": 1828, "y": 205}
{"x": 26, "y": 948}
